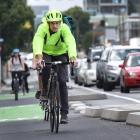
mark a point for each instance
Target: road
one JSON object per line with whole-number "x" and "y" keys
{"x": 24, "y": 119}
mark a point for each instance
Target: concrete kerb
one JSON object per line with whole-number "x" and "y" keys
{"x": 87, "y": 97}
{"x": 96, "y": 111}
{"x": 119, "y": 113}
{"x": 133, "y": 119}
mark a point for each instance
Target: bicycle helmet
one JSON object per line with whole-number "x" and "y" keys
{"x": 53, "y": 15}
{"x": 15, "y": 51}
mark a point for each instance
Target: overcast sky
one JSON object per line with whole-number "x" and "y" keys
{"x": 57, "y": 4}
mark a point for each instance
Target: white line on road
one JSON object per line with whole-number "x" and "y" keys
{"x": 117, "y": 96}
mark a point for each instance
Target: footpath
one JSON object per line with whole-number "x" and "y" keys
{"x": 129, "y": 113}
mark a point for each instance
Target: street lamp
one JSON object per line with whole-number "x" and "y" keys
{"x": 1, "y": 42}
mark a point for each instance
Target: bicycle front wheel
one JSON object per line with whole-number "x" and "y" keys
{"x": 56, "y": 107}
{"x": 51, "y": 115}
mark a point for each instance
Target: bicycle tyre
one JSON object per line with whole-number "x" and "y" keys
{"x": 23, "y": 86}
{"x": 51, "y": 106}
{"x": 16, "y": 89}
{"x": 57, "y": 107}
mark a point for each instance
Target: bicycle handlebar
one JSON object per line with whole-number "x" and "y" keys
{"x": 54, "y": 63}
{"x": 57, "y": 63}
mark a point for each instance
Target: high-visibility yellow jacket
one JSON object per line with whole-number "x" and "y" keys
{"x": 56, "y": 44}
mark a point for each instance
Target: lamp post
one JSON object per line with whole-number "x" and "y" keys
{"x": 1, "y": 42}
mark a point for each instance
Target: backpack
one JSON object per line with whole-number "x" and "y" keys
{"x": 69, "y": 21}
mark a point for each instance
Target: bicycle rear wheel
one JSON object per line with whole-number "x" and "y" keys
{"x": 56, "y": 107}
{"x": 51, "y": 106}
{"x": 16, "y": 89}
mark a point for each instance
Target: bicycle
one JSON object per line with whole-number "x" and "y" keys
{"x": 16, "y": 83}
{"x": 52, "y": 105}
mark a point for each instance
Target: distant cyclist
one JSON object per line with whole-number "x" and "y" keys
{"x": 54, "y": 41}
{"x": 16, "y": 65}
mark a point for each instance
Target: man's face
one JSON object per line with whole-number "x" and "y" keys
{"x": 54, "y": 26}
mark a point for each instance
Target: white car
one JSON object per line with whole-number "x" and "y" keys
{"x": 90, "y": 75}
{"x": 28, "y": 58}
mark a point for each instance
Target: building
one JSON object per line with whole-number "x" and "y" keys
{"x": 106, "y": 6}
{"x": 111, "y": 12}
{"x": 129, "y": 28}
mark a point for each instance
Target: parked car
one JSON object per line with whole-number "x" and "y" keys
{"x": 90, "y": 74}
{"x": 77, "y": 69}
{"x": 130, "y": 72}
{"x": 108, "y": 70}
{"x": 80, "y": 73}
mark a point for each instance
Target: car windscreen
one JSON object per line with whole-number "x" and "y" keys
{"x": 120, "y": 54}
{"x": 133, "y": 61}
{"x": 97, "y": 53}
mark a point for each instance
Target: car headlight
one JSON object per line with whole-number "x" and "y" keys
{"x": 90, "y": 74}
{"x": 112, "y": 67}
{"x": 131, "y": 74}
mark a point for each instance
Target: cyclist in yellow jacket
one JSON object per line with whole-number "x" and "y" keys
{"x": 53, "y": 41}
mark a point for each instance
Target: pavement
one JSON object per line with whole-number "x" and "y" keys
{"x": 118, "y": 113}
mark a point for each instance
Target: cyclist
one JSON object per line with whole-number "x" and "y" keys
{"x": 16, "y": 65}
{"x": 54, "y": 41}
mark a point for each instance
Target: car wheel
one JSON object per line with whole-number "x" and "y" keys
{"x": 85, "y": 83}
{"x": 75, "y": 80}
{"x": 99, "y": 82}
{"x": 124, "y": 88}
{"x": 107, "y": 86}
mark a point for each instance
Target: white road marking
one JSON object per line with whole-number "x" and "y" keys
{"x": 20, "y": 119}
{"x": 116, "y": 96}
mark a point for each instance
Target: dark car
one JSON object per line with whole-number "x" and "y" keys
{"x": 130, "y": 72}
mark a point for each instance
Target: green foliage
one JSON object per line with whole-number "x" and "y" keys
{"x": 13, "y": 15}
{"x": 87, "y": 40}
{"x": 81, "y": 19}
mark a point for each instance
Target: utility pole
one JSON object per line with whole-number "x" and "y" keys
{"x": 1, "y": 42}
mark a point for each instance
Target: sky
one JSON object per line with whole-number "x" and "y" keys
{"x": 61, "y": 5}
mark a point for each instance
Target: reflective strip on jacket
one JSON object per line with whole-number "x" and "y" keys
{"x": 49, "y": 47}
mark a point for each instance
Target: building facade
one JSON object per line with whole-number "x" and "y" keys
{"x": 129, "y": 28}
{"x": 106, "y": 6}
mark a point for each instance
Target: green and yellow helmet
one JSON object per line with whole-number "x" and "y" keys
{"x": 53, "y": 15}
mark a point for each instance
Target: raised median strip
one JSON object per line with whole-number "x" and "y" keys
{"x": 133, "y": 119}
{"x": 77, "y": 94}
{"x": 96, "y": 111}
{"x": 119, "y": 113}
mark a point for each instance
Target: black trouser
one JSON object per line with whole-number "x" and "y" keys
{"x": 26, "y": 83}
{"x": 62, "y": 78}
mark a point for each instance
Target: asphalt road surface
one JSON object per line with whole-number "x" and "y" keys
{"x": 79, "y": 128}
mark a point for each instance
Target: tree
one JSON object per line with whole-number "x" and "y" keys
{"x": 13, "y": 16}
{"x": 81, "y": 19}
{"x": 87, "y": 40}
